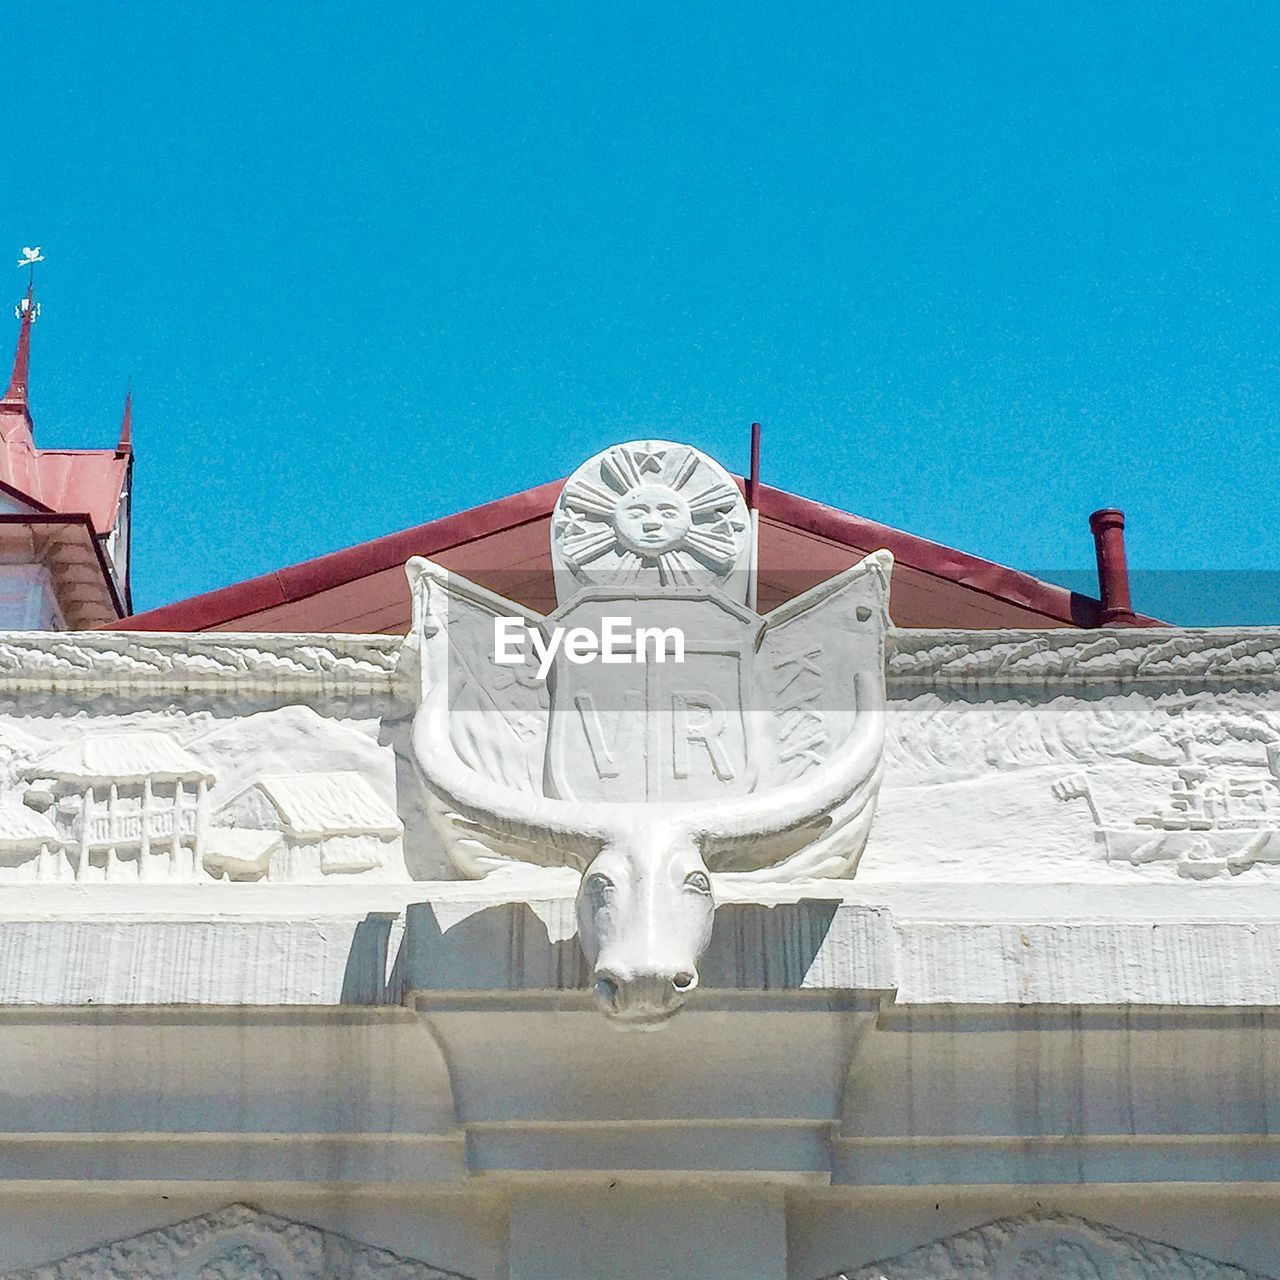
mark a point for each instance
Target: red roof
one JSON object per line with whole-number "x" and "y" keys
{"x": 505, "y": 546}
{"x": 88, "y": 481}
{"x": 68, "y": 481}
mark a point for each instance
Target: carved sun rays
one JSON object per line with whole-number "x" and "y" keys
{"x": 710, "y": 529}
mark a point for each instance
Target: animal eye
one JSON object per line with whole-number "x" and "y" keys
{"x": 698, "y": 881}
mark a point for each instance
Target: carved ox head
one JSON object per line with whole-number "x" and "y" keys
{"x": 648, "y": 869}
{"x": 644, "y": 919}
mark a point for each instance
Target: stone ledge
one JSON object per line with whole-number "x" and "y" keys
{"x": 1026, "y": 1160}
{"x": 816, "y": 944}
{"x": 528, "y": 949}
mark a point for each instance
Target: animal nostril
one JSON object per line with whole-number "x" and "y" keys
{"x": 607, "y": 988}
{"x": 685, "y": 981}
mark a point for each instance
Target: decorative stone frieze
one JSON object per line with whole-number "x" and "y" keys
{"x": 1069, "y": 657}
{"x": 235, "y": 1243}
{"x": 179, "y": 795}
{"x": 1047, "y": 1246}
{"x": 337, "y": 665}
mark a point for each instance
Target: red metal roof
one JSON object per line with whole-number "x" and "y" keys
{"x": 505, "y": 546}
{"x": 68, "y": 481}
{"x": 87, "y": 481}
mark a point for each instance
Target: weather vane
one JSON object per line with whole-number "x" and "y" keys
{"x": 29, "y": 259}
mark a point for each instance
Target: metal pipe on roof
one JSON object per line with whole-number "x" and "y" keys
{"x": 1113, "y": 571}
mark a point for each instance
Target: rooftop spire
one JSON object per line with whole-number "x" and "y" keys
{"x": 126, "y": 424}
{"x": 26, "y": 311}
{"x": 18, "y": 463}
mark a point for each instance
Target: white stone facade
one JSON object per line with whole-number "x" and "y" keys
{"x": 984, "y": 974}
{"x": 996, "y": 1020}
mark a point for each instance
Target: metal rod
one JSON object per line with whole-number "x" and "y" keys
{"x": 753, "y": 480}
{"x": 753, "y": 493}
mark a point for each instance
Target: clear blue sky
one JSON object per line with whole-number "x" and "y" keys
{"x": 978, "y": 268}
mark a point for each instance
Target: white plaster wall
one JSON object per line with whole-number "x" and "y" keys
{"x": 625, "y": 1231}
{"x": 27, "y": 600}
{"x": 114, "y": 1072}
{"x": 980, "y": 887}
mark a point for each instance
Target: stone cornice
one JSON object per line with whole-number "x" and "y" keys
{"x": 110, "y": 661}
{"x": 346, "y": 665}
{"x": 921, "y": 659}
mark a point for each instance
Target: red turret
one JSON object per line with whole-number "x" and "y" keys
{"x": 64, "y": 513}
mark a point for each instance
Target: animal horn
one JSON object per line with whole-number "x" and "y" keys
{"x": 837, "y": 782}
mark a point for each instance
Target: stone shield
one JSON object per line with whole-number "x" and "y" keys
{"x": 667, "y": 719}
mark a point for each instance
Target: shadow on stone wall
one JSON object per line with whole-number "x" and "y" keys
{"x": 509, "y": 947}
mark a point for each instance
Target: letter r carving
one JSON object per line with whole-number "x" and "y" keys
{"x": 705, "y": 729}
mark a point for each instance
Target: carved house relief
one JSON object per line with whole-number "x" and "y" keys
{"x": 125, "y": 806}
{"x": 301, "y": 827}
{"x": 133, "y": 804}
{"x": 29, "y": 841}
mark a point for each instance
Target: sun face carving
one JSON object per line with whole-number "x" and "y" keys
{"x": 650, "y": 509}
{"x": 652, "y": 519}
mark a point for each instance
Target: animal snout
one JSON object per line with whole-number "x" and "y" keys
{"x": 642, "y": 998}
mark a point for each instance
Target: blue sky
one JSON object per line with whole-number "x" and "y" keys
{"x": 979, "y": 269}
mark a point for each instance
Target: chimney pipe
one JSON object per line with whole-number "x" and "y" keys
{"x": 1113, "y": 572}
